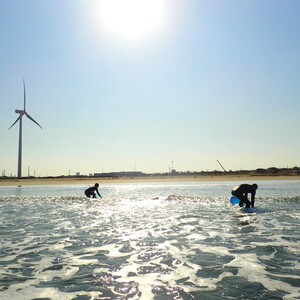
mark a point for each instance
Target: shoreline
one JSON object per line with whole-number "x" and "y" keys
{"x": 136, "y": 180}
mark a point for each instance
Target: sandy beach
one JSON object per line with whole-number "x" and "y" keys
{"x": 148, "y": 179}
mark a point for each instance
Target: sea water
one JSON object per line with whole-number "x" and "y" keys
{"x": 149, "y": 241}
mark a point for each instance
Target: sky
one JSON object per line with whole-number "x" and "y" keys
{"x": 149, "y": 85}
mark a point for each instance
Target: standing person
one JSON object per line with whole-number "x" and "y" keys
{"x": 90, "y": 192}
{"x": 242, "y": 191}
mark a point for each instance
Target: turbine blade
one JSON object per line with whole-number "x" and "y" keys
{"x": 15, "y": 122}
{"x": 30, "y": 118}
{"x": 24, "y": 95}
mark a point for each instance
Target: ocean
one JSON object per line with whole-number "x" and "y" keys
{"x": 149, "y": 241}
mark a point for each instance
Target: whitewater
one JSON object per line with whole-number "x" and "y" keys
{"x": 149, "y": 241}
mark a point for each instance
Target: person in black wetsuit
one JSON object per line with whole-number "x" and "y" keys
{"x": 242, "y": 191}
{"x": 91, "y": 192}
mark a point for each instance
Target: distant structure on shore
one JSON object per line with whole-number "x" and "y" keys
{"x": 19, "y": 119}
{"x": 120, "y": 174}
{"x": 295, "y": 171}
{"x": 221, "y": 166}
{"x": 258, "y": 172}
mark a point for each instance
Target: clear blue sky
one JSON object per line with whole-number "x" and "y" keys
{"x": 214, "y": 80}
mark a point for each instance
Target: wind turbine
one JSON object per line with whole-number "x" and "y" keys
{"x": 21, "y": 114}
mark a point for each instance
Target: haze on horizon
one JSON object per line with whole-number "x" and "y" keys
{"x": 136, "y": 87}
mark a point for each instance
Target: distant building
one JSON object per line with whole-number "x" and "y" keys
{"x": 120, "y": 174}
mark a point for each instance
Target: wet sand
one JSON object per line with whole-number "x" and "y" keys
{"x": 135, "y": 180}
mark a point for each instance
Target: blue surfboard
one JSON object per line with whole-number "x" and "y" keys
{"x": 249, "y": 210}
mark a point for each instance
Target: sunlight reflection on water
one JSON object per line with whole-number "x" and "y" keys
{"x": 154, "y": 241}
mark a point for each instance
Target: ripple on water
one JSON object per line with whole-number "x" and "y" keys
{"x": 141, "y": 245}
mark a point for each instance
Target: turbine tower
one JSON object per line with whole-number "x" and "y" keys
{"x": 21, "y": 114}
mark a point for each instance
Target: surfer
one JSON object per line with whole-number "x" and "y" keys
{"x": 242, "y": 191}
{"x": 91, "y": 191}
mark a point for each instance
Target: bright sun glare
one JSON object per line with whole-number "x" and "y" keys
{"x": 132, "y": 18}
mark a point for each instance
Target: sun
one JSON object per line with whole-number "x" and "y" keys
{"x": 132, "y": 18}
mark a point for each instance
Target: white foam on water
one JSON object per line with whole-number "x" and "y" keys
{"x": 251, "y": 268}
{"x": 141, "y": 243}
{"x": 27, "y": 292}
